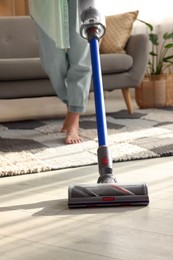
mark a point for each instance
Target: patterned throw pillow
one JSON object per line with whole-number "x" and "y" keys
{"x": 118, "y": 30}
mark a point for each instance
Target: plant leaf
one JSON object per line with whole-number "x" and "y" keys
{"x": 153, "y": 53}
{"x": 168, "y": 59}
{"x": 167, "y": 35}
{"x": 153, "y": 38}
{"x": 168, "y": 46}
{"x": 147, "y": 24}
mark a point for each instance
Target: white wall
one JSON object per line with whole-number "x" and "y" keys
{"x": 151, "y": 10}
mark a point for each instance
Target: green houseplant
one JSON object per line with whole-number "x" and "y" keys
{"x": 159, "y": 60}
{"x": 157, "y": 87}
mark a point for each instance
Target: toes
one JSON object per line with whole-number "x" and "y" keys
{"x": 73, "y": 140}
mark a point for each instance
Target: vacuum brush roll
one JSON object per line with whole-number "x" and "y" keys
{"x": 107, "y": 194}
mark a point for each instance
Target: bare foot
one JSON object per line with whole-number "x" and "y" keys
{"x": 71, "y": 127}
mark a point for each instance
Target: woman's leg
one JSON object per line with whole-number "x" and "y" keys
{"x": 78, "y": 75}
{"x": 55, "y": 63}
{"x": 79, "y": 72}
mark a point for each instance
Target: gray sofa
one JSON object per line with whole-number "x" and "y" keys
{"x": 25, "y": 89}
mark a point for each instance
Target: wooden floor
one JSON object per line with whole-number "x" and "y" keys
{"x": 35, "y": 222}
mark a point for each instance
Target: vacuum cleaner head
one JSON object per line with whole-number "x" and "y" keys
{"x": 107, "y": 195}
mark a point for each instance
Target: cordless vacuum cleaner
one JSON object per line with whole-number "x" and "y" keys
{"x": 107, "y": 192}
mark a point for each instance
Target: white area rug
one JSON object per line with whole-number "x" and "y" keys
{"x": 37, "y": 146}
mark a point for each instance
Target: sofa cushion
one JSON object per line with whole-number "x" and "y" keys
{"x": 20, "y": 69}
{"x": 118, "y": 30}
{"x": 30, "y": 68}
{"x": 115, "y": 63}
{"x": 18, "y": 37}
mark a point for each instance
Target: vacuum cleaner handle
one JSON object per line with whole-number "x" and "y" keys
{"x": 92, "y": 30}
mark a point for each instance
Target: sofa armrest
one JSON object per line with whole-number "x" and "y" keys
{"x": 138, "y": 47}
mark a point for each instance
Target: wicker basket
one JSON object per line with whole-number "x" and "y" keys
{"x": 155, "y": 91}
{"x": 169, "y": 90}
